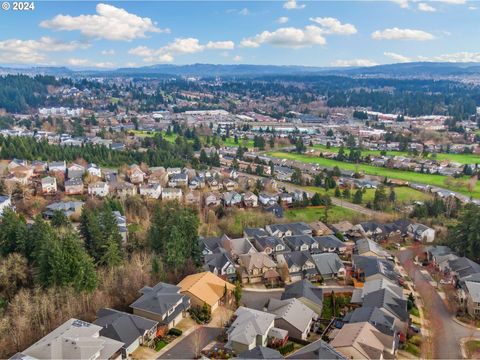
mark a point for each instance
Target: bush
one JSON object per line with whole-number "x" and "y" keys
{"x": 175, "y": 332}
{"x": 287, "y": 348}
{"x": 159, "y": 345}
{"x": 202, "y": 315}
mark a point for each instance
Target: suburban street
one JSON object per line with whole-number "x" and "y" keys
{"x": 193, "y": 343}
{"x": 446, "y": 332}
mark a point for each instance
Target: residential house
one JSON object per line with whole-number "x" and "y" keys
{"x": 150, "y": 190}
{"x": 57, "y": 166}
{"x": 135, "y": 174}
{"x": 75, "y": 339}
{"x": 131, "y": 330}
{"x": 367, "y": 247}
{"x": 289, "y": 229}
{"x": 317, "y": 350}
{"x": 274, "y": 209}
{"x": 374, "y": 285}
{"x": 68, "y": 208}
{"x": 252, "y": 233}
{"x": 363, "y": 341}
{"x": 231, "y": 198}
{"x": 300, "y": 265}
{"x": 343, "y": 227}
{"x": 193, "y": 198}
{"x": 75, "y": 171}
{"x": 250, "y": 199}
{"x": 196, "y": 182}
{"x": 260, "y": 352}
{"x": 421, "y": 232}
{"x": 164, "y": 303}
{"x": 213, "y": 199}
{"x": 49, "y": 185}
{"x": 301, "y": 243}
{"x": 269, "y": 244}
{"x": 221, "y": 264}
{"x": 293, "y": 316}
{"x": 172, "y": 194}
{"x": 229, "y": 184}
{"x": 253, "y": 328}
{"x": 94, "y": 170}
{"x": 382, "y": 321}
{"x": 307, "y": 293}
{"x": 206, "y": 288}
{"x": 173, "y": 171}
{"x": 15, "y": 163}
{"x": 74, "y": 186}
{"x": 330, "y": 243}
{"x": 257, "y": 267}
{"x": 329, "y": 265}
{"x": 212, "y": 245}
{"x": 98, "y": 188}
{"x": 285, "y": 198}
{"x": 267, "y": 199}
{"x": 39, "y": 166}
{"x": 122, "y": 225}
{"x": 320, "y": 229}
{"x": 213, "y": 184}
{"x": 124, "y": 189}
{"x": 390, "y": 303}
{"x": 368, "y": 268}
{"x": 472, "y": 298}
{"x": 178, "y": 180}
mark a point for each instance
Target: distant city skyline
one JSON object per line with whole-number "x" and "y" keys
{"x": 108, "y": 35}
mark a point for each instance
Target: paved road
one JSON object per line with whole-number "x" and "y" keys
{"x": 193, "y": 343}
{"x": 445, "y": 331}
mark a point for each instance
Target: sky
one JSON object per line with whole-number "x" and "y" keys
{"x": 102, "y": 35}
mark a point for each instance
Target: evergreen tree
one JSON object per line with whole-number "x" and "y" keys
{"x": 357, "y": 197}
{"x": 380, "y": 199}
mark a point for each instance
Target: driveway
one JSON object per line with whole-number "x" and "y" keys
{"x": 192, "y": 344}
{"x": 446, "y": 333}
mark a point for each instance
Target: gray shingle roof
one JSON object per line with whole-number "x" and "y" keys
{"x": 327, "y": 263}
{"x": 293, "y": 312}
{"x": 383, "y": 322}
{"x": 305, "y": 289}
{"x": 260, "y": 352}
{"x": 317, "y": 350}
{"x": 388, "y": 300}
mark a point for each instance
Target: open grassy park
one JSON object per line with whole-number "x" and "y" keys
{"x": 459, "y": 185}
{"x": 459, "y": 158}
{"x": 314, "y": 213}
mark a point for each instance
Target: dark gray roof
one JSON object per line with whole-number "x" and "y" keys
{"x": 327, "y": 263}
{"x": 255, "y": 232}
{"x": 317, "y": 350}
{"x": 439, "y": 250}
{"x": 329, "y": 241}
{"x": 160, "y": 299}
{"x": 464, "y": 266}
{"x": 121, "y": 326}
{"x": 306, "y": 289}
{"x": 386, "y": 299}
{"x": 298, "y": 258}
{"x": 268, "y": 241}
{"x": 383, "y": 322}
{"x": 212, "y": 243}
{"x": 371, "y": 265}
{"x": 217, "y": 260}
{"x": 260, "y": 352}
{"x": 296, "y": 241}
{"x": 297, "y": 228}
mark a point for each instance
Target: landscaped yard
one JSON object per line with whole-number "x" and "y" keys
{"x": 436, "y": 180}
{"x": 335, "y": 214}
{"x": 460, "y": 158}
{"x": 473, "y": 349}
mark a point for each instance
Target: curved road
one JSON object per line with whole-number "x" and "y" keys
{"x": 446, "y": 332}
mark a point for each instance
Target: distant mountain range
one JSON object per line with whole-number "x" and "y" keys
{"x": 414, "y": 69}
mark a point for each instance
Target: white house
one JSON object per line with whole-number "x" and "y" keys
{"x": 94, "y": 170}
{"x": 172, "y": 194}
{"x": 151, "y": 190}
{"x": 99, "y": 189}
{"x": 49, "y": 185}
{"x": 5, "y": 202}
{"x": 421, "y": 232}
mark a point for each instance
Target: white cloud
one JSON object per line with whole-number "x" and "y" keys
{"x": 104, "y": 65}
{"x": 426, "y": 7}
{"x": 453, "y": 2}
{"x": 109, "y": 23}
{"x": 109, "y": 52}
{"x": 220, "y": 45}
{"x": 34, "y": 51}
{"x": 287, "y": 37}
{"x": 292, "y": 5}
{"x": 179, "y": 46}
{"x": 402, "y": 3}
{"x": 334, "y": 26}
{"x": 77, "y": 62}
{"x": 282, "y": 20}
{"x": 458, "y": 57}
{"x": 237, "y": 58}
{"x": 354, "y": 62}
{"x": 244, "y": 12}
{"x": 397, "y": 57}
{"x": 402, "y": 34}
{"x": 472, "y": 8}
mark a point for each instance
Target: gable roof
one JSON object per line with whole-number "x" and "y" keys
{"x": 256, "y": 260}
{"x": 383, "y": 322}
{"x": 367, "y": 245}
{"x": 260, "y": 352}
{"x": 317, "y": 350}
{"x": 217, "y": 260}
{"x": 371, "y": 265}
{"x": 205, "y": 286}
{"x": 248, "y": 324}
{"x": 388, "y": 300}
{"x": 292, "y": 311}
{"x": 121, "y": 326}
{"x": 329, "y": 241}
{"x": 303, "y": 289}
{"x": 327, "y": 263}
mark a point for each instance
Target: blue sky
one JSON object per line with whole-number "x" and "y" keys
{"x": 91, "y": 34}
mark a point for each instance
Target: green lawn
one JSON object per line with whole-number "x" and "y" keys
{"x": 141, "y": 133}
{"x": 459, "y": 158}
{"x": 335, "y": 214}
{"x": 410, "y": 176}
{"x": 405, "y": 195}
{"x": 472, "y": 347}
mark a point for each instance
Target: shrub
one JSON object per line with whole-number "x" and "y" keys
{"x": 287, "y": 348}
{"x": 175, "y": 331}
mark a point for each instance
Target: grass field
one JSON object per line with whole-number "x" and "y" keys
{"x": 335, "y": 214}
{"x": 141, "y": 133}
{"x": 436, "y": 180}
{"x": 459, "y": 158}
